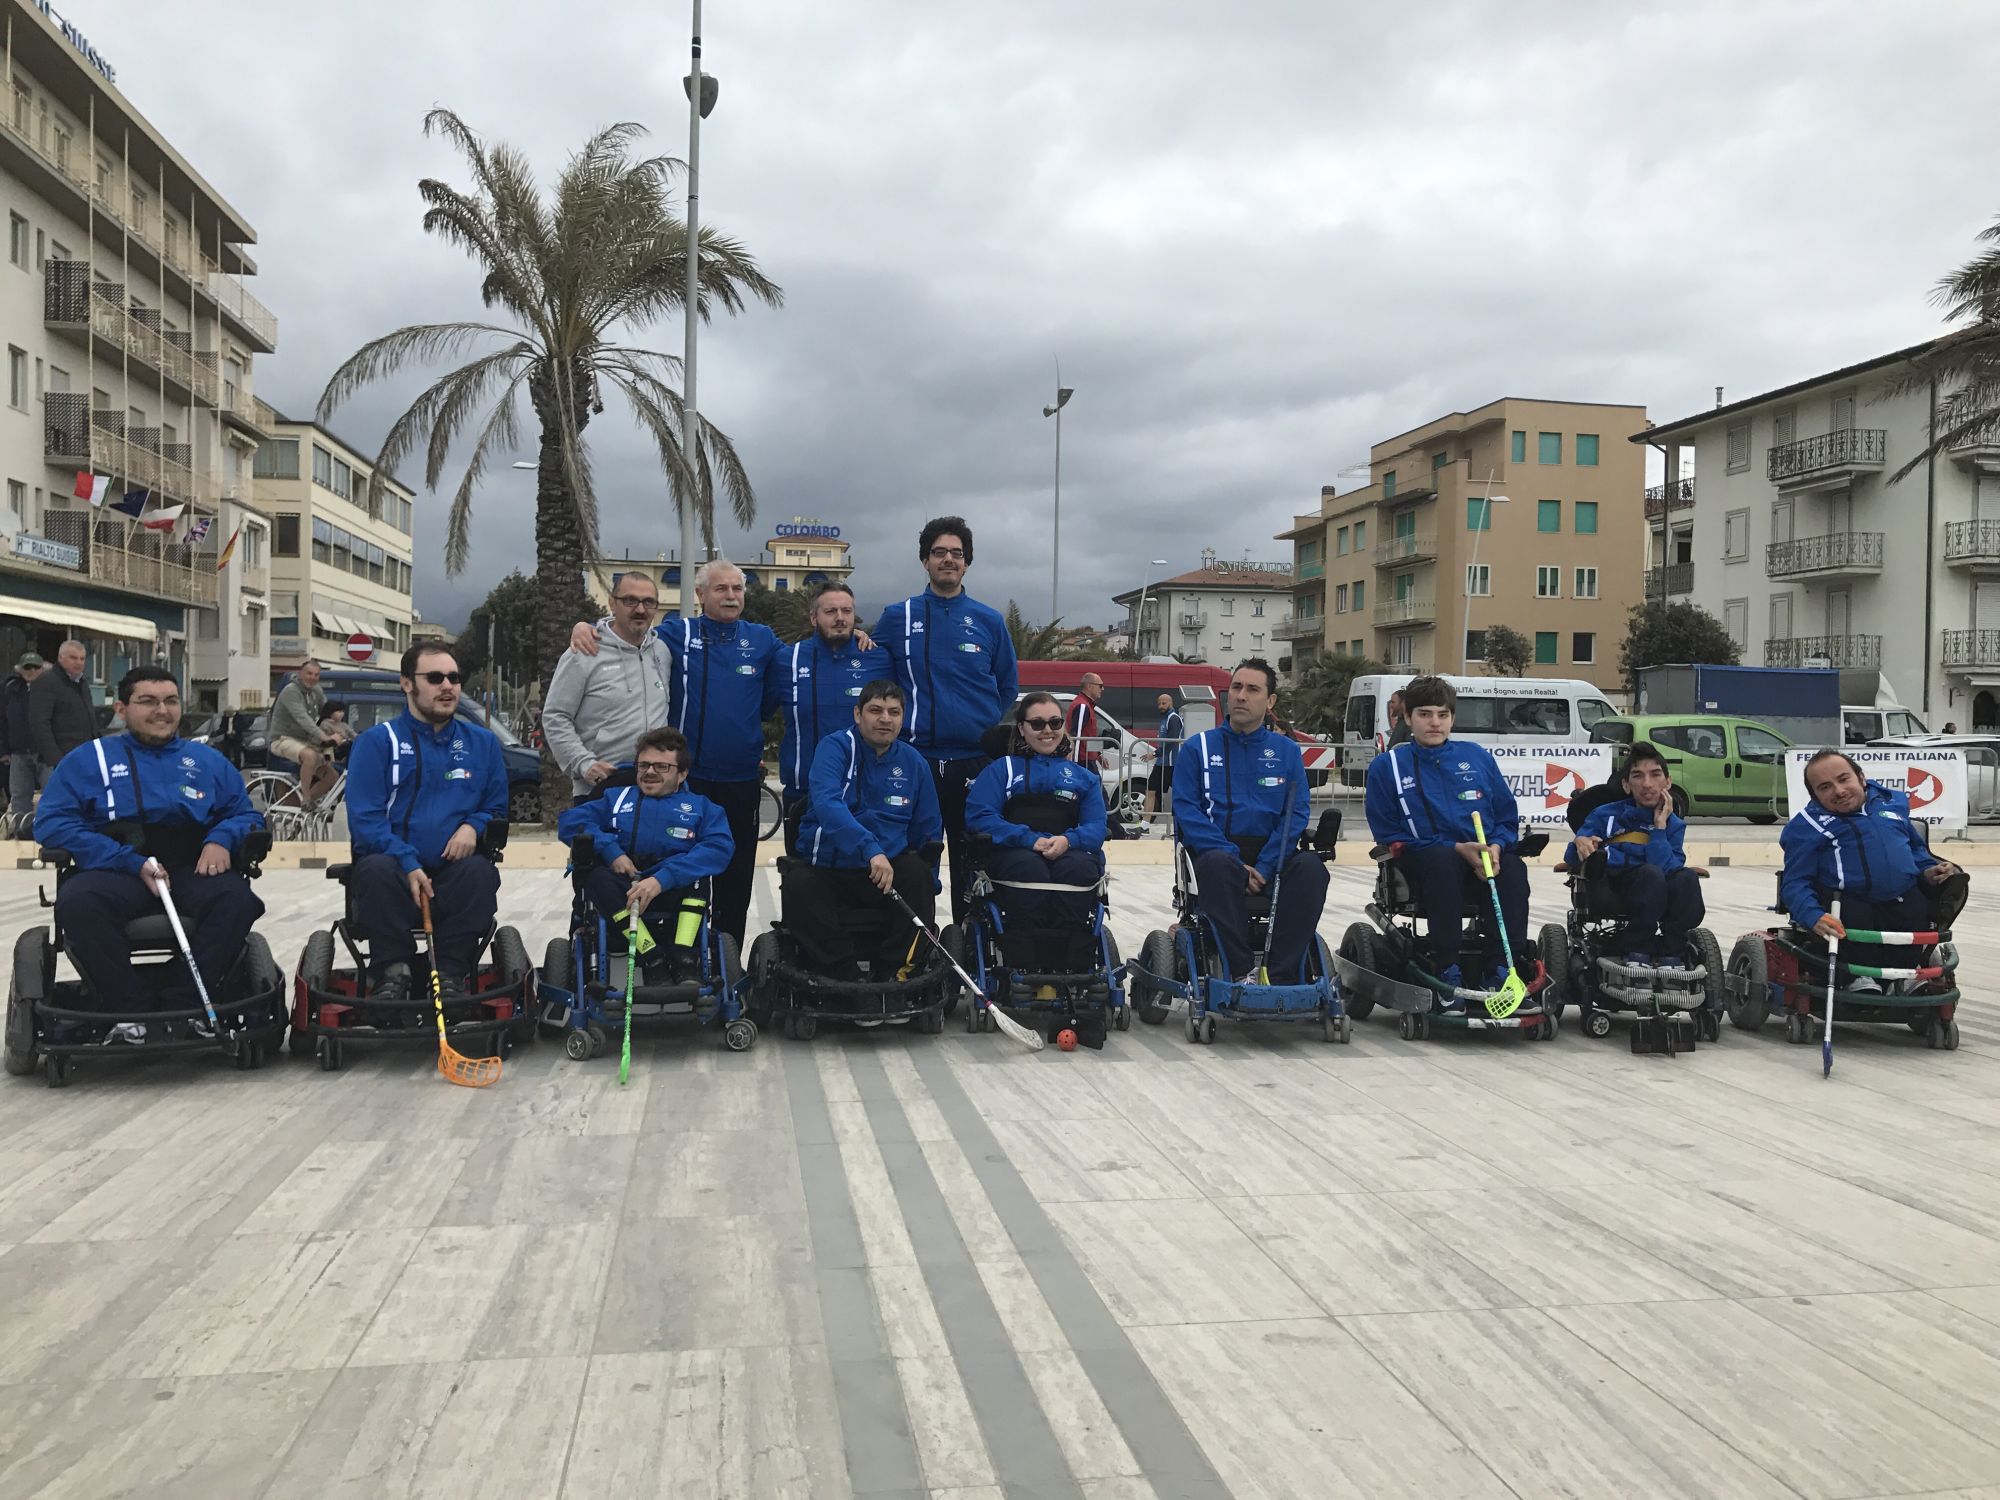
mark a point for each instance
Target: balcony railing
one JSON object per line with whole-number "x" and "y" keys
{"x": 1972, "y": 542}
{"x": 1845, "y": 449}
{"x": 113, "y": 552}
{"x": 1299, "y": 628}
{"x": 1193, "y": 621}
{"x": 1972, "y": 648}
{"x": 1406, "y": 547}
{"x": 1833, "y": 650}
{"x": 75, "y": 303}
{"x": 251, "y": 315}
{"x": 1982, "y": 443}
{"x": 1661, "y": 498}
{"x": 1669, "y": 580}
{"x": 1408, "y": 610}
{"x": 1838, "y": 552}
{"x": 243, "y": 409}
{"x": 101, "y": 441}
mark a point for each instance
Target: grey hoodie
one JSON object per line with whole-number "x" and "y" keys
{"x": 597, "y": 706}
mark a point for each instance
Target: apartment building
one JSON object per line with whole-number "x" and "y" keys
{"x": 1524, "y": 513}
{"x": 1219, "y": 612}
{"x": 1788, "y": 531}
{"x": 130, "y": 341}
{"x": 802, "y": 554}
{"x": 341, "y": 558}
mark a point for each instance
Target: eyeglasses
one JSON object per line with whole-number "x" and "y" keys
{"x": 1043, "y": 723}
{"x": 439, "y": 679}
{"x": 656, "y": 767}
{"x": 154, "y": 703}
{"x": 631, "y": 603}
{"x": 944, "y": 553}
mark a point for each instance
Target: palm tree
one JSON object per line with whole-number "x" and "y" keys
{"x": 568, "y": 275}
{"x": 1964, "y": 365}
{"x": 1034, "y": 642}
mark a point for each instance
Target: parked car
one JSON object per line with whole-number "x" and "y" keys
{"x": 1863, "y": 724}
{"x": 1721, "y": 766}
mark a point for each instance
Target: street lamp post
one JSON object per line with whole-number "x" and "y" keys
{"x": 1465, "y": 625}
{"x": 1139, "y": 624}
{"x": 701, "y": 91}
{"x": 1063, "y": 393}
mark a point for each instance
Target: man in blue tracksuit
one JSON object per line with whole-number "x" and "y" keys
{"x": 1239, "y": 807}
{"x": 955, "y": 659}
{"x": 1166, "y": 745}
{"x": 1421, "y": 797}
{"x": 1642, "y": 836}
{"x": 871, "y": 810}
{"x": 184, "y": 805}
{"x": 653, "y": 841}
{"x": 819, "y": 680}
{"x": 421, "y": 789}
{"x": 1859, "y": 843}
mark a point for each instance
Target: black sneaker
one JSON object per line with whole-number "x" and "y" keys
{"x": 454, "y": 989}
{"x": 394, "y": 984}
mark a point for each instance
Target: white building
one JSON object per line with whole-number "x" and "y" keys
{"x": 1219, "y": 613}
{"x": 129, "y": 341}
{"x": 1790, "y": 533}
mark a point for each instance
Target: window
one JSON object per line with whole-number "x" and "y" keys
{"x": 1340, "y": 542}
{"x": 1586, "y": 450}
{"x": 1545, "y": 647}
{"x": 1340, "y": 598}
{"x": 207, "y": 624}
{"x": 322, "y": 466}
{"x": 1549, "y": 448}
{"x": 17, "y": 378}
{"x": 1585, "y": 512}
{"x": 1583, "y": 647}
{"x": 377, "y": 559}
{"x": 1478, "y": 513}
{"x": 1360, "y": 536}
{"x": 1360, "y": 594}
{"x": 285, "y": 612}
{"x": 1736, "y": 621}
{"x": 17, "y": 241}
{"x": 58, "y": 379}
{"x": 1548, "y": 583}
{"x": 278, "y": 458}
{"x": 1479, "y": 579}
{"x": 1228, "y": 608}
{"x": 1354, "y": 648}
{"x": 287, "y": 544}
{"x": 1590, "y": 710}
{"x": 1703, "y": 741}
{"x": 1388, "y": 484}
{"x": 1739, "y": 446}
{"x": 1439, "y": 460}
{"x": 1257, "y": 607}
{"x": 1548, "y": 515}
{"x": 24, "y": 106}
{"x": 17, "y": 500}
{"x": 1762, "y": 746}
{"x": 253, "y": 632}
{"x": 1736, "y": 536}
{"x": 1586, "y": 584}
{"x": 1475, "y": 645}
{"x": 41, "y": 248}
{"x": 1228, "y": 640}
{"x": 322, "y": 541}
{"x": 1308, "y": 554}
{"x": 343, "y": 479}
{"x": 1402, "y": 650}
{"x": 1517, "y": 449}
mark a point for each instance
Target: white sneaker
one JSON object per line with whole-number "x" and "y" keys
{"x": 1864, "y": 984}
{"x": 127, "y": 1031}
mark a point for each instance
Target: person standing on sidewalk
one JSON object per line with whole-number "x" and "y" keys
{"x": 1080, "y": 722}
{"x": 602, "y": 699}
{"x": 955, "y": 659}
{"x": 1166, "y": 744}
{"x": 61, "y": 715}
{"x": 17, "y": 742}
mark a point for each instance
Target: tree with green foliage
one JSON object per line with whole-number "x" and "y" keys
{"x": 1318, "y": 703}
{"x": 1508, "y": 653}
{"x": 1961, "y": 370}
{"x": 784, "y": 610}
{"x": 1033, "y": 642}
{"x": 1668, "y": 632}
{"x": 510, "y": 608}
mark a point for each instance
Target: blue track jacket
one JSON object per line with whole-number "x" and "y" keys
{"x": 819, "y": 686}
{"x": 1173, "y": 729}
{"x": 863, "y": 803}
{"x": 1420, "y": 797}
{"x": 1230, "y": 786}
{"x": 676, "y": 839}
{"x": 410, "y": 786}
{"x": 1053, "y": 776}
{"x": 178, "y": 784}
{"x": 955, "y": 659}
{"x": 1642, "y": 843}
{"x": 720, "y": 694}
{"x": 1877, "y": 853}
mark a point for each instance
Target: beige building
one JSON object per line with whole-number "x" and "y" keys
{"x": 803, "y": 554}
{"x": 130, "y": 340}
{"x": 342, "y": 562}
{"x": 1412, "y": 568}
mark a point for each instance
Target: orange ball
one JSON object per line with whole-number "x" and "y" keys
{"x": 1066, "y": 1040}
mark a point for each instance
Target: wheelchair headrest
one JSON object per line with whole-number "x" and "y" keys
{"x": 1586, "y": 802}
{"x": 1326, "y": 837}
{"x": 998, "y": 741}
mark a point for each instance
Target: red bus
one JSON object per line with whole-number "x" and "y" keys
{"x": 1132, "y": 690}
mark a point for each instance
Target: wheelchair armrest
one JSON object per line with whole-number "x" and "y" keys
{"x": 932, "y": 850}
{"x": 1326, "y": 837}
{"x": 494, "y": 840}
{"x": 55, "y": 859}
{"x": 1383, "y": 853}
{"x": 249, "y": 858}
{"x": 338, "y": 872}
{"x": 583, "y": 853}
{"x": 1529, "y": 845}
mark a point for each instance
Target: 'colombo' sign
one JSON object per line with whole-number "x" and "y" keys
{"x": 831, "y": 532}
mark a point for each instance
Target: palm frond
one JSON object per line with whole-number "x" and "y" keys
{"x": 502, "y": 428}
{"x": 379, "y": 358}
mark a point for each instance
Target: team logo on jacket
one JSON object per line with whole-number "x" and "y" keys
{"x": 855, "y": 691}
{"x": 896, "y": 772}
{"x": 121, "y": 770}
{"x": 193, "y": 793}
{"x": 1270, "y": 781}
{"x": 1408, "y": 782}
{"x": 1215, "y": 760}
{"x": 805, "y": 671}
{"x": 1065, "y": 794}
{"x": 745, "y": 669}
{"x": 188, "y": 761}
{"x": 916, "y": 627}
{"x": 678, "y": 832}
{"x": 896, "y": 801}
{"x": 972, "y": 646}
{"x": 458, "y": 773}
{"x": 1469, "y": 795}
{"x": 1269, "y": 753}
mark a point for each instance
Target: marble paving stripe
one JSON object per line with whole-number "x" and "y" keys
{"x": 1027, "y": 1459}
{"x": 874, "y": 1422}
{"x": 1169, "y": 1457}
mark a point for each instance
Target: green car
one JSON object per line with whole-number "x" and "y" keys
{"x": 1721, "y": 767}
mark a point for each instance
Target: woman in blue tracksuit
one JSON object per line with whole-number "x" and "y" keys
{"x": 1859, "y": 843}
{"x": 1044, "y": 816}
{"x": 653, "y": 841}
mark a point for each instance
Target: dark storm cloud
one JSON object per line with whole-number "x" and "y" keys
{"x": 1260, "y": 237}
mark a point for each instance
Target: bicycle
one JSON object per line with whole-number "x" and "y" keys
{"x": 282, "y": 802}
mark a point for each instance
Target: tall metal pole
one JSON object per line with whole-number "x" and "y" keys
{"x": 1465, "y": 625}
{"x": 1055, "y": 563}
{"x": 690, "y": 420}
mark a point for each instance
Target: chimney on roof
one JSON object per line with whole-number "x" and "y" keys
{"x": 1718, "y": 395}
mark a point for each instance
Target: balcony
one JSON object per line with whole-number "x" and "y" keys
{"x": 1972, "y": 544}
{"x": 1840, "y": 554}
{"x": 96, "y": 312}
{"x": 1823, "y": 651}
{"x": 1980, "y": 448}
{"x": 1409, "y": 610}
{"x": 1830, "y": 461}
{"x": 1972, "y": 648}
{"x": 1189, "y": 621}
{"x": 113, "y": 553}
{"x": 243, "y": 411}
{"x": 76, "y": 437}
{"x": 1418, "y": 489}
{"x": 1408, "y": 547}
{"x": 253, "y": 321}
{"x": 1661, "y": 498}
{"x": 1299, "y": 628}
{"x": 1667, "y": 581}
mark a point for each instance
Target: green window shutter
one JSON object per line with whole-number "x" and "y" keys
{"x": 1518, "y": 452}
{"x": 1586, "y": 518}
{"x": 1586, "y": 449}
{"x": 1551, "y": 448}
{"x": 1388, "y": 484}
{"x": 1478, "y": 514}
{"x": 1548, "y": 515}
{"x": 1545, "y": 648}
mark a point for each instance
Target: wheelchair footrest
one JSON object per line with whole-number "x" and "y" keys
{"x": 1265, "y": 999}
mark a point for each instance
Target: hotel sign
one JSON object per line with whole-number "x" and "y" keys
{"x": 79, "y": 41}
{"x": 831, "y": 533}
{"x": 41, "y": 549}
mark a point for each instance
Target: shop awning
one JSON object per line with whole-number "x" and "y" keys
{"x": 90, "y": 621}
{"x": 328, "y": 622}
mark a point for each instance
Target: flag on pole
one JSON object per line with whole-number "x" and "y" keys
{"x": 162, "y": 519}
{"x": 132, "y": 502}
{"x": 91, "y": 486}
{"x": 198, "y": 530}
{"x": 222, "y": 559}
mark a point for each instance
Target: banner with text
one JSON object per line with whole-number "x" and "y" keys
{"x": 1934, "y": 780}
{"x": 1545, "y": 774}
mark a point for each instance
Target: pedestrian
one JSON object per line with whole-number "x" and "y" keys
{"x": 24, "y": 774}
{"x": 61, "y": 715}
{"x": 602, "y": 699}
{"x": 955, "y": 658}
{"x": 1399, "y": 719}
{"x": 1080, "y": 722}
{"x": 1166, "y": 744}
{"x": 294, "y": 733}
{"x": 1950, "y": 727}
{"x": 819, "y": 682}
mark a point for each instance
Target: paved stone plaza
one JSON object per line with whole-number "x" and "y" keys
{"x": 891, "y": 1265}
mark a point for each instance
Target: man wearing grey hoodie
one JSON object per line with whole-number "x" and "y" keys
{"x": 598, "y": 705}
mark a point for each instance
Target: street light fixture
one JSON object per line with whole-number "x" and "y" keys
{"x": 701, "y": 91}
{"x": 1139, "y": 623}
{"x": 1465, "y": 625}
{"x": 1063, "y": 393}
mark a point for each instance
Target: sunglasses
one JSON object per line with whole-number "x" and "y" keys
{"x": 656, "y": 767}
{"x": 439, "y": 679}
{"x": 1043, "y": 723}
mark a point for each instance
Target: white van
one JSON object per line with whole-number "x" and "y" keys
{"x": 1862, "y": 723}
{"x": 1491, "y": 710}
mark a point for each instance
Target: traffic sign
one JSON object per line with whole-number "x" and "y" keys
{"x": 360, "y": 647}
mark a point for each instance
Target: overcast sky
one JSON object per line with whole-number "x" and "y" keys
{"x": 1259, "y": 235}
